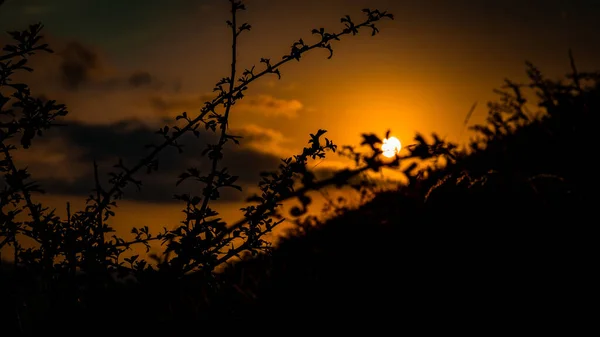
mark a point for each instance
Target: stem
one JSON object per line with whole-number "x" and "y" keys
{"x": 99, "y": 227}
{"x": 23, "y": 53}
{"x": 261, "y": 209}
{"x": 204, "y": 111}
{"x": 316, "y": 186}
{"x": 576, "y": 80}
{"x": 4, "y": 242}
{"x": 27, "y": 52}
{"x": 132, "y": 242}
{"x": 35, "y": 214}
{"x": 30, "y": 205}
{"x": 211, "y": 177}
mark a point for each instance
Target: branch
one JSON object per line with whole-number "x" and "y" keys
{"x": 133, "y": 242}
{"x": 26, "y": 195}
{"x": 22, "y": 53}
{"x": 210, "y": 106}
{"x": 211, "y": 177}
{"x": 341, "y": 176}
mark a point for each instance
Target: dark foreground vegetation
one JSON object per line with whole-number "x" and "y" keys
{"x": 497, "y": 237}
{"x": 500, "y": 239}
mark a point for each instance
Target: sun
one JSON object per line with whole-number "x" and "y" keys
{"x": 391, "y": 146}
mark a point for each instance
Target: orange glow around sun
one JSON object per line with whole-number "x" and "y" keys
{"x": 390, "y": 147}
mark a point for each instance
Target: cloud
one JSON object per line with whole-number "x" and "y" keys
{"x": 270, "y": 106}
{"x": 264, "y": 140}
{"x": 80, "y": 76}
{"x": 81, "y": 67}
{"x": 140, "y": 78}
{"x": 173, "y": 104}
{"x": 114, "y": 113}
{"x": 255, "y": 133}
{"x": 62, "y": 161}
{"x": 77, "y": 65}
{"x": 49, "y": 160}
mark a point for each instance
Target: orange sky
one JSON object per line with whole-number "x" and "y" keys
{"x": 148, "y": 60}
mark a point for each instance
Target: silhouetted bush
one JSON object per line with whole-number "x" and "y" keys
{"x": 69, "y": 278}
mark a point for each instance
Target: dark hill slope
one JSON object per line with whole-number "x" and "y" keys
{"x": 503, "y": 236}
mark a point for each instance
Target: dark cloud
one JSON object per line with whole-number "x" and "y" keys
{"x": 126, "y": 140}
{"x": 140, "y": 78}
{"x": 265, "y": 105}
{"x": 81, "y": 66}
{"x": 270, "y": 106}
{"x": 76, "y": 65}
{"x": 179, "y": 103}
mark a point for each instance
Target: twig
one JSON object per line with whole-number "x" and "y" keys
{"x": 210, "y": 106}
{"x": 215, "y": 161}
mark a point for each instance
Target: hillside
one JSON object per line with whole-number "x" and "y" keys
{"x": 499, "y": 238}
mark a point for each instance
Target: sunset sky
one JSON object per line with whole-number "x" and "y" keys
{"x": 122, "y": 67}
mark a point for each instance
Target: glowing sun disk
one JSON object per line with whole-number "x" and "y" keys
{"x": 390, "y": 147}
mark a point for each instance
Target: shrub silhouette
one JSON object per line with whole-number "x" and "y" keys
{"x": 70, "y": 271}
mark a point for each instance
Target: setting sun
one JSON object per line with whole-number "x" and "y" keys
{"x": 391, "y": 146}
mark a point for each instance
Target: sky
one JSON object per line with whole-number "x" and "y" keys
{"x": 124, "y": 68}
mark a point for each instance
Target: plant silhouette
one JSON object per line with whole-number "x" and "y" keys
{"x": 492, "y": 234}
{"x": 72, "y": 265}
